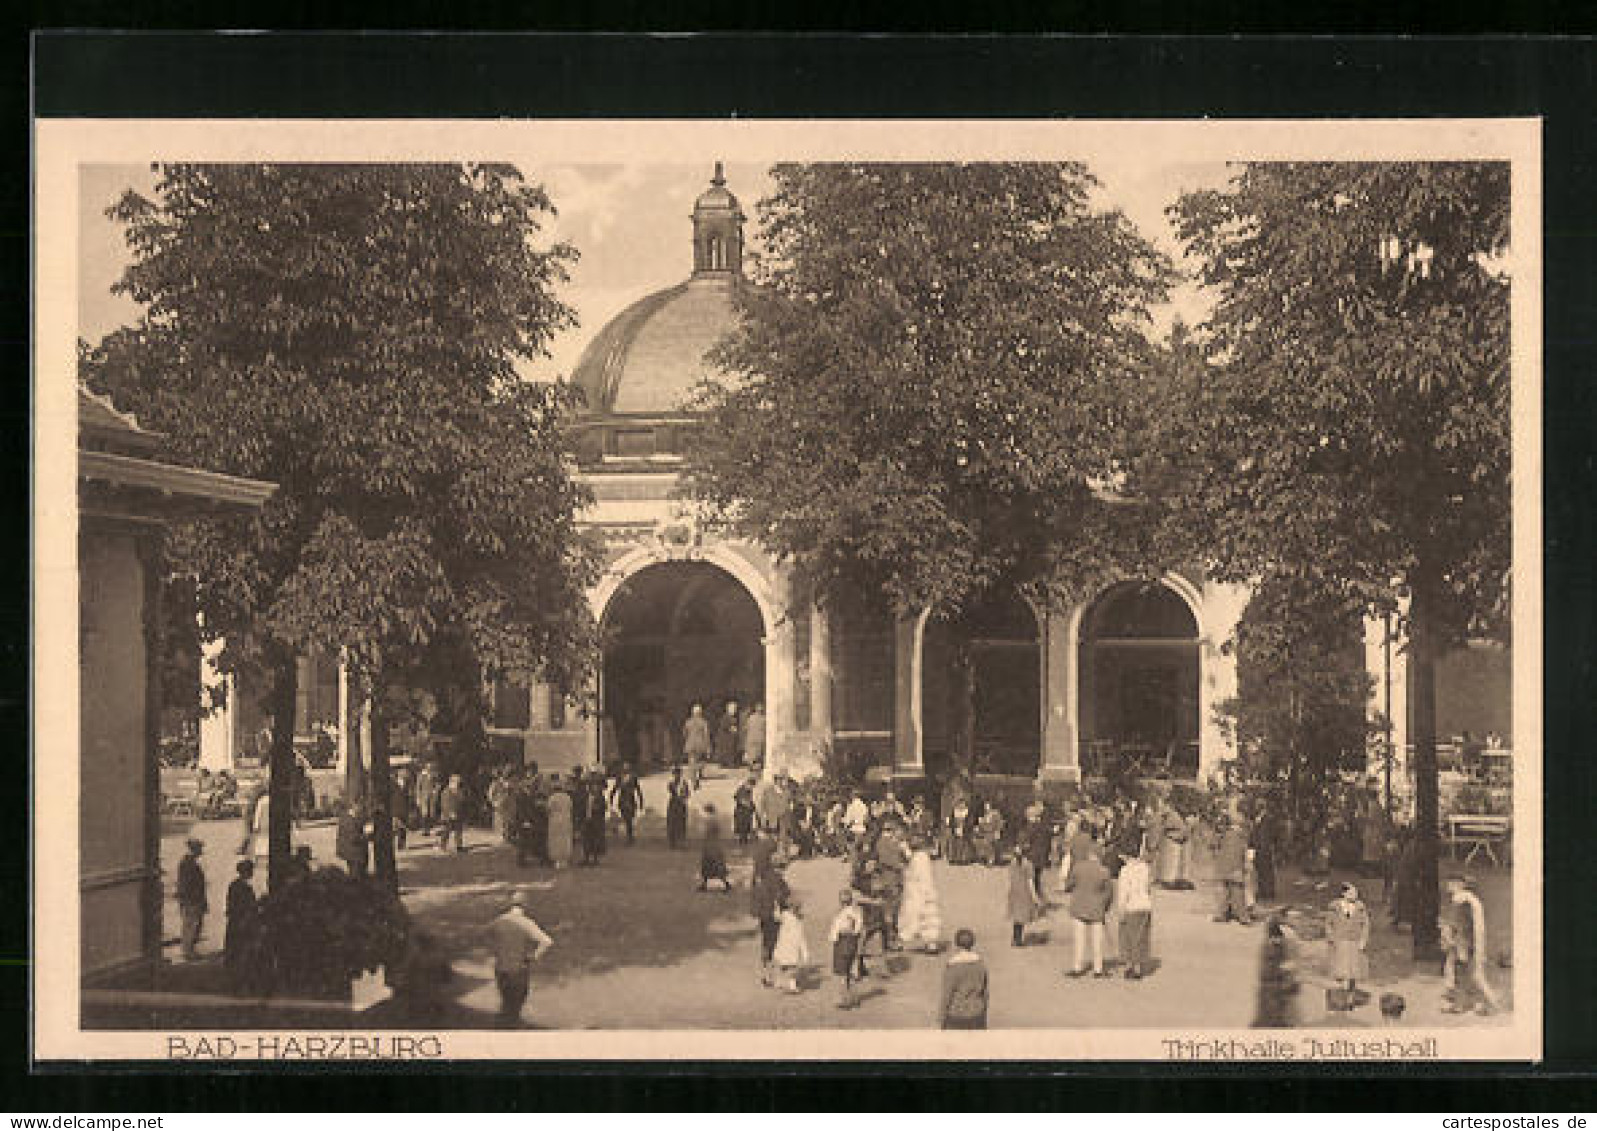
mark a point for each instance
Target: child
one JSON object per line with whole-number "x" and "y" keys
{"x": 1024, "y": 899}
{"x": 712, "y": 861}
{"x": 792, "y": 952}
{"x": 846, "y": 935}
{"x": 1348, "y": 929}
{"x": 1276, "y": 1004}
{"x": 964, "y": 996}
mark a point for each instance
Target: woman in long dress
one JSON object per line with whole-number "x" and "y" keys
{"x": 1173, "y": 849}
{"x": 1347, "y": 926}
{"x": 1024, "y": 900}
{"x": 263, "y": 823}
{"x": 560, "y": 828}
{"x": 920, "y": 918}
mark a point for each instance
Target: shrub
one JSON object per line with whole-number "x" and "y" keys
{"x": 316, "y": 934}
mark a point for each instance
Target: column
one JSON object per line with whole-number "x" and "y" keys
{"x": 820, "y": 676}
{"x": 217, "y": 750}
{"x": 302, "y": 695}
{"x": 779, "y": 674}
{"x": 1061, "y": 698}
{"x": 341, "y": 758}
{"x": 1217, "y": 673}
{"x": 1385, "y": 663}
{"x": 537, "y": 718}
{"x": 907, "y": 761}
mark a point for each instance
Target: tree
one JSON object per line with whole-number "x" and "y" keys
{"x": 1352, "y": 421}
{"x": 351, "y": 333}
{"x": 1300, "y": 712}
{"x": 930, "y": 385}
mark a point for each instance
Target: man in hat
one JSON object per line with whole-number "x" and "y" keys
{"x": 517, "y": 942}
{"x": 1231, "y": 862}
{"x": 452, "y": 815}
{"x": 191, "y": 900}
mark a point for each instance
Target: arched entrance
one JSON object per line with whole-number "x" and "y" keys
{"x": 1005, "y": 658}
{"x": 675, "y": 633}
{"x": 1139, "y": 689}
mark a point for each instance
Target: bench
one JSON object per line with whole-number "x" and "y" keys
{"x": 1480, "y": 834}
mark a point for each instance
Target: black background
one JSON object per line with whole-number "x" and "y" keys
{"x": 178, "y": 74}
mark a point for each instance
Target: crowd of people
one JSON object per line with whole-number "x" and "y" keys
{"x": 1098, "y": 860}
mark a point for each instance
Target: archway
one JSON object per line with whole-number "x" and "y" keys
{"x": 1139, "y": 682}
{"x": 675, "y": 633}
{"x": 1005, "y": 673}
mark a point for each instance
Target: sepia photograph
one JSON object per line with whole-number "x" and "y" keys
{"x": 828, "y": 590}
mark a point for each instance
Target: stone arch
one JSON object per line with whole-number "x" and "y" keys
{"x": 1110, "y": 723}
{"x": 738, "y": 570}
{"x": 720, "y": 555}
{"x": 1011, "y": 694}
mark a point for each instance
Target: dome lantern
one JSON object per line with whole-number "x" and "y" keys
{"x": 717, "y": 231}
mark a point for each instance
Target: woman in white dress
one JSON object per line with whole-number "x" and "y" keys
{"x": 920, "y": 917}
{"x": 560, "y": 824}
{"x": 263, "y": 822}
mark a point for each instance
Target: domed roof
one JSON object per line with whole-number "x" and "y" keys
{"x": 651, "y": 356}
{"x": 718, "y": 198}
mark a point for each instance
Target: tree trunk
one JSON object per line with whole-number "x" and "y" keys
{"x": 380, "y": 791}
{"x": 282, "y": 767}
{"x": 1422, "y": 692}
{"x": 355, "y": 786}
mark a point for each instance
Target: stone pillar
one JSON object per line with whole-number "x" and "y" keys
{"x": 780, "y": 670}
{"x": 1217, "y": 672}
{"x": 1061, "y": 699}
{"x": 302, "y": 695}
{"x": 341, "y": 759}
{"x": 820, "y": 676}
{"x": 217, "y": 748}
{"x": 907, "y": 762}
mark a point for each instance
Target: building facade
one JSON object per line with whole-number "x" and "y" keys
{"x": 125, "y": 499}
{"x": 691, "y": 615}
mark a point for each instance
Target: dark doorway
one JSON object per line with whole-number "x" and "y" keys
{"x": 1139, "y": 682}
{"x": 675, "y": 634}
{"x": 1006, "y": 660}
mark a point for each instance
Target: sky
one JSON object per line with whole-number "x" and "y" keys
{"x": 630, "y": 222}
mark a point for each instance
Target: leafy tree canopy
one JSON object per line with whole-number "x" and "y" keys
{"x": 1349, "y": 413}
{"x": 932, "y": 381}
{"x": 351, "y": 332}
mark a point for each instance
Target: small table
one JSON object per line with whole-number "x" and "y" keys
{"x": 1480, "y": 833}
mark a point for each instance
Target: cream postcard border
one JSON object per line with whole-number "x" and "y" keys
{"x": 61, "y": 145}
